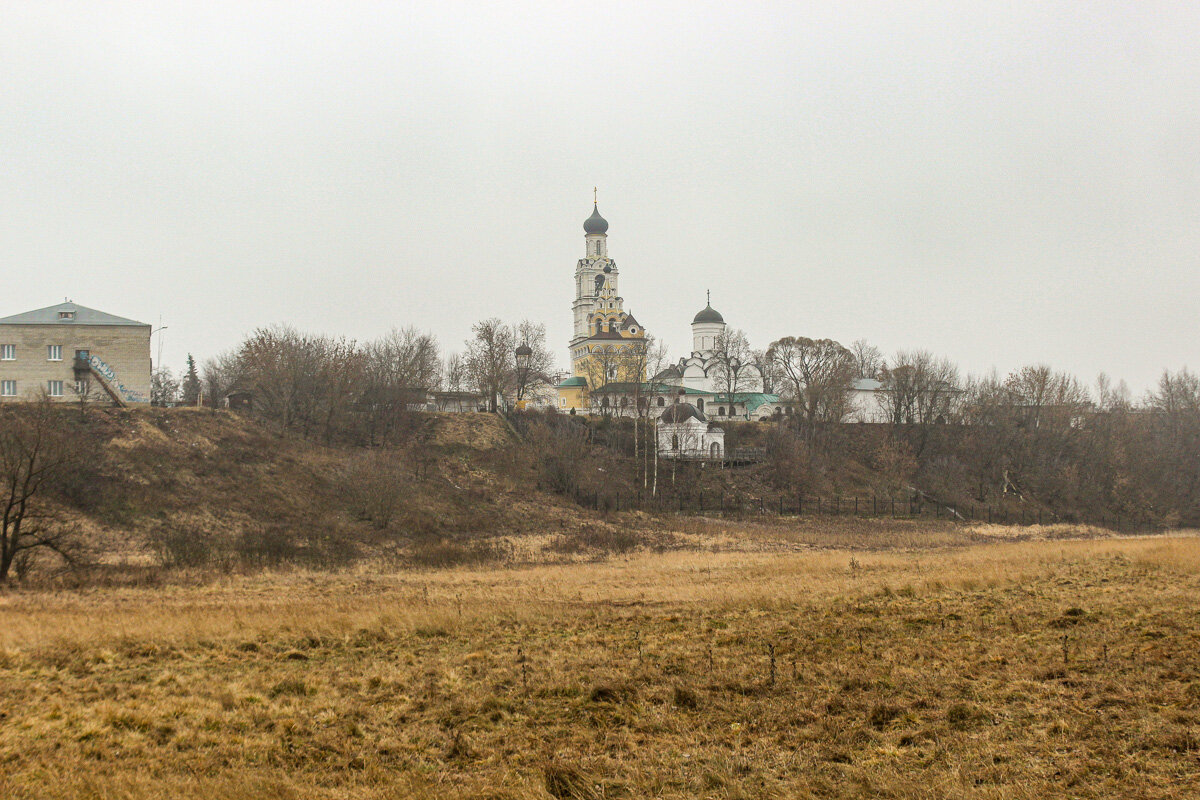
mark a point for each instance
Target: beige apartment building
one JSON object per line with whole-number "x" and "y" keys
{"x": 68, "y": 351}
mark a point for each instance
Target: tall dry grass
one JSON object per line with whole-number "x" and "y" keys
{"x": 1055, "y": 668}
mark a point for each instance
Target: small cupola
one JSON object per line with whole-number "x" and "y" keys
{"x": 708, "y": 314}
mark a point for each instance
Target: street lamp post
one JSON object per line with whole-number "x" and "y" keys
{"x": 158, "y": 363}
{"x": 524, "y": 357}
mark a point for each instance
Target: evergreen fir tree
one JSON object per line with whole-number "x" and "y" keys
{"x": 191, "y": 383}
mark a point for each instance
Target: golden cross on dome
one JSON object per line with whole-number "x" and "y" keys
{"x": 595, "y": 196}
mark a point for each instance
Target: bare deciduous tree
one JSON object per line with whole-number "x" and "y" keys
{"x": 34, "y": 453}
{"x": 300, "y": 382}
{"x": 397, "y": 371}
{"x": 1022, "y": 434}
{"x": 490, "y": 359}
{"x": 1169, "y": 459}
{"x": 766, "y": 370}
{"x": 164, "y": 387}
{"x": 1176, "y": 392}
{"x": 454, "y": 373}
{"x": 1043, "y": 395}
{"x": 377, "y": 483}
{"x": 87, "y": 392}
{"x": 219, "y": 376}
{"x": 919, "y": 390}
{"x": 818, "y": 374}
{"x": 1110, "y": 396}
{"x": 733, "y": 367}
{"x": 533, "y": 370}
{"x": 990, "y": 435}
{"x": 610, "y": 369}
{"x": 868, "y": 359}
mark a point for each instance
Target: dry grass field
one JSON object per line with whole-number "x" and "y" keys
{"x": 974, "y": 668}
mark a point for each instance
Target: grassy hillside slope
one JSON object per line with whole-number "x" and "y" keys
{"x": 213, "y": 491}
{"x": 191, "y": 486}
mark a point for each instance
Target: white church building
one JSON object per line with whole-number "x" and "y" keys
{"x": 698, "y": 376}
{"x": 684, "y": 432}
{"x": 700, "y": 369}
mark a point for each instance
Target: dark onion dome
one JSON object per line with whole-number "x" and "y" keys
{"x": 524, "y": 350}
{"x": 709, "y": 314}
{"x": 681, "y": 412}
{"x": 595, "y": 223}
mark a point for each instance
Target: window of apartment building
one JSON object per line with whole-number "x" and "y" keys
{"x": 55, "y": 388}
{"x": 8, "y": 352}
{"x": 8, "y": 388}
{"x": 54, "y": 352}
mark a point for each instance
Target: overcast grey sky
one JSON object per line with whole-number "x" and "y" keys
{"x": 1000, "y": 183}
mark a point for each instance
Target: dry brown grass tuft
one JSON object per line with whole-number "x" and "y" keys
{"x": 1012, "y": 669}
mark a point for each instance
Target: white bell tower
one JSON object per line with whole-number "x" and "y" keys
{"x": 595, "y": 274}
